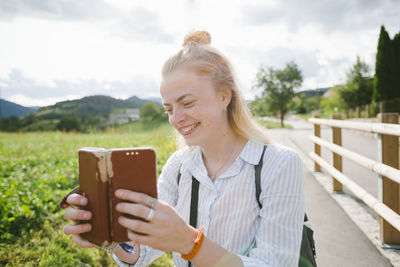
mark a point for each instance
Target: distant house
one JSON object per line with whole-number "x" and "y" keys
{"x": 131, "y": 114}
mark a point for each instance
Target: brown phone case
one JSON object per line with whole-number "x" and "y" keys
{"x": 101, "y": 172}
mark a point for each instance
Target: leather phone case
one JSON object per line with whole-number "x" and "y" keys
{"x": 101, "y": 173}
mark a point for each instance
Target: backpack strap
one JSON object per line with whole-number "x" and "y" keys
{"x": 258, "y": 168}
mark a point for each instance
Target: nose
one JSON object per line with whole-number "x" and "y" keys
{"x": 176, "y": 117}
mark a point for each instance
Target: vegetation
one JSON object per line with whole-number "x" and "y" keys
{"x": 36, "y": 171}
{"x": 151, "y": 111}
{"x": 387, "y": 68}
{"x": 88, "y": 114}
{"x": 278, "y": 87}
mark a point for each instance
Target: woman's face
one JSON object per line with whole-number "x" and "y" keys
{"x": 194, "y": 107}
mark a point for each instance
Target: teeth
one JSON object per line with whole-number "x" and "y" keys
{"x": 187, "y": 129}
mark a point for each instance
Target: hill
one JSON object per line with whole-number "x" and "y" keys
{"x": 9, "y": 109}
{"x": 97, "y": 106}
{"x": 313, "y": 92}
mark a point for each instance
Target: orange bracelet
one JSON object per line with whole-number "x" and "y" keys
{"x": 197, "y": 245}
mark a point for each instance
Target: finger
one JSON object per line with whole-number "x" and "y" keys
{"x": 134, "y": 196}
{"x": 82, "y": 242}
{"x": 77, "y": 214}
{"x": 138, "y": 210}
{"x": 76, "y": 199}
{"x": 139, "y": 239}
{"x": 137, "y": 225}
{"x": 76, "y": 229}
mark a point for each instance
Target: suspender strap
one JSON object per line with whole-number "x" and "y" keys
{"x": 258, "y": 169}
{"x": 193, "y": 204}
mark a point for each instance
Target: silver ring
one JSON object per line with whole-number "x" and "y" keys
{"x": 151, "y": 215}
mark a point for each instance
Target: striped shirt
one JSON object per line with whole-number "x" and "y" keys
{"x": 228, "y": 209}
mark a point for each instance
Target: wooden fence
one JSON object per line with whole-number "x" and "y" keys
{"x": 387, "y": 206}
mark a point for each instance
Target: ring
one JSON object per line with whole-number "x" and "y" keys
{"x": 153, "y": 201}
{"x": 151, "y": 215}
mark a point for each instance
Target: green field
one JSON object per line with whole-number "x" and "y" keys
{"x": 37, "y": 170}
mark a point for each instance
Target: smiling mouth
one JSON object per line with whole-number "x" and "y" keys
{"x": 189, "y": 129}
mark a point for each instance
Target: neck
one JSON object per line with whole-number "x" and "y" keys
{"x": 226, "y": 144}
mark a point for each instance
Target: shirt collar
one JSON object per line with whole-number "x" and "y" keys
{"x": 252, "y": 151}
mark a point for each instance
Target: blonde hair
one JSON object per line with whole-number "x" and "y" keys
{"x": 206, "y": 60}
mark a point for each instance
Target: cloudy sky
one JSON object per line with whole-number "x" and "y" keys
{"x": 53, "y": 50}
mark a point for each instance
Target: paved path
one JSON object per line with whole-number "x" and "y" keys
{"x": 339, "y": 241}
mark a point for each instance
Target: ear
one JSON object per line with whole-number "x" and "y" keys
{"x": 225, "y": 95}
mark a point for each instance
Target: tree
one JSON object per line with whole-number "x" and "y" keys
{"x": 359, "y": 86}
{"x": 387, "y": 78}
{"x": 68, "y": 124}
{"x": 150, "y": 111}
{"x": 278, "y": 87}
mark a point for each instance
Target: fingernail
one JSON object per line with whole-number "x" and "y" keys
{"x": 88, "y": 227}
{"x": 118, "y": 193}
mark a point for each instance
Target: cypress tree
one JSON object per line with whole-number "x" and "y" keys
{"x": 396, "y": 52}
{"x": 386, "y": 78}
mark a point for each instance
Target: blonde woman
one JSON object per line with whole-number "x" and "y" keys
{"x": 221, "y": 147}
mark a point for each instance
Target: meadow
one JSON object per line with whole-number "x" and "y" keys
{"x": 36, "y": 171}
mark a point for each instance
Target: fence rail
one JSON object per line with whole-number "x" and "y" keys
{"x": 379, "y": 128}
{"x": 388, "y": 130}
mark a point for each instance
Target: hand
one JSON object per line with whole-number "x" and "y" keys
{"x": 166, "y": 231}
{"x": 75, "y": 214}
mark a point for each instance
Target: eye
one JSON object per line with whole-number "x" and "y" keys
{"x": 168, "y": 111}
{"x": 188, "y": 104}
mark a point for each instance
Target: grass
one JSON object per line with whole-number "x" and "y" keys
{"x": 36, "y": 171}
{"x": 272, "y": 124}
{"x": 307, "y": 116}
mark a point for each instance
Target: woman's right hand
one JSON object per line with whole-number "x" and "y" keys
{"x": 75, "y": 214}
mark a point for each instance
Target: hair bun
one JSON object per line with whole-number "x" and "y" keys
{"x": 197, "y": 38}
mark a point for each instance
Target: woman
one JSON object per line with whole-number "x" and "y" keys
{"x": 221, "y": 147}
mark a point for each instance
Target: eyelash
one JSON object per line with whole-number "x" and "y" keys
{"x": 187, "y": 104}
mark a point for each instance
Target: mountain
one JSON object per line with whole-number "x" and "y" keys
{"x": 155, "y": 100}
{"x": 136, "y": 101}
{"x": 9, "y": 109}
{"x": 313, "y": 92}
{"x": 97, "y": 105}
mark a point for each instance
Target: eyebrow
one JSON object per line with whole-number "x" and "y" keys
{"x": 179, "y": 99}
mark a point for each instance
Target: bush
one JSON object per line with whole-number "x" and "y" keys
{"x": 69, "y": 124}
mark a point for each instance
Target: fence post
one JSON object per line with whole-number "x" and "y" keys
{"x": 388, "y": 153}
{"x": 317, "y": 148}
{"x": 337, "y": 159}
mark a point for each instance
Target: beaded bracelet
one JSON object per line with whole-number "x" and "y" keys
{"x": 197, "y": 245}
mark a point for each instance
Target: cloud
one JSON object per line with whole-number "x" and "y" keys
{"x": 139, "y": 22}
{"x": 28, "y": 92}
{"x": 133, "y": 23}
{"x": 55, "y": 10}
{"x": 327, "y": 15}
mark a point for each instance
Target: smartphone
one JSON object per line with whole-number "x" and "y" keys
{"x": 101, "y": 173}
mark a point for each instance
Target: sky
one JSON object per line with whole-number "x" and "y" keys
{"x": 56, "y": 50}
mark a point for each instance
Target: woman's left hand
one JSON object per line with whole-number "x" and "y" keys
{"x": 166, "y": 231}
